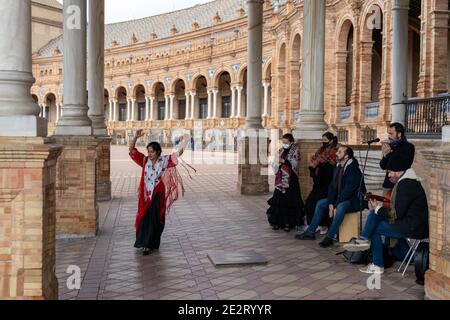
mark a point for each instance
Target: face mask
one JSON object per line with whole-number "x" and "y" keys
{"x": 394, "y": 180}
{"x": 325, "y": 144}
{"x": 286, "y": 146}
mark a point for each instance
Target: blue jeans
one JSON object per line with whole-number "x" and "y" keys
{"x": 322, "y": 210}
{"x": 383, "y": 228}
{"x": 371, "y": 225}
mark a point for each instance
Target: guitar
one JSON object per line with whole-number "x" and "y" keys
{"x": 385, "y": 200}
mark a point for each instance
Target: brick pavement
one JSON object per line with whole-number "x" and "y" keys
{"x": 212, "y": 216}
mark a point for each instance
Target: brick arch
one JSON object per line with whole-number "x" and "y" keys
{"x": 137, "y": 86}
{"x": 267, "y": 68}
{"x": 241, "y": 72}
{"x": 174, "y": 83}
{"x": 195, "y": 79}
{"x": 219, "y": 74}
{"x": 366, "y": 12}
{"x": 342, "y": 30}
{"x": 117, "y": 90}
{"x": 155, "y": 85}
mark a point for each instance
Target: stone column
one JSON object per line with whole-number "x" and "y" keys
{"x": 209, "y": 104}
{"x": 152, "y": 102}
{"x": 27, "y": 168}
{"x": 18, "y": 111}
{"x": 147, "y": 107}
{"x": 233, "y": 102}
{"x": 111, "y": 110}
{"x": 188, "y": 100}
{"x": 239, "y": 101}
{"x": 253, "y": 146}
{"x": 58, "y": 105}
{"x": 115, "y": 109}
{"x": 172, "y": 98}
{"x": 266, "y": 86}
{"x": 312, "y": 124}
{"x": 76, "y": 204}
{"x": 215, "y": 96}
{"x": 133, "y": 108}
{"x": 96, "y": 66}
{"x": 128, "y": 109}
{"x": 399, "y": 59}
{"x": 75, "y": 120}
{"x": 193, "y": 94}
{"x": 166, "y": 109}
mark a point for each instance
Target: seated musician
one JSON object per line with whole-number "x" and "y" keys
{"x": 406, "y": 217}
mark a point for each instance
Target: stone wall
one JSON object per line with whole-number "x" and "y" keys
{"x": 27, "y": 218}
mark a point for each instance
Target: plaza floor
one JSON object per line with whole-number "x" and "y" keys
{"x": 211, "y": 216}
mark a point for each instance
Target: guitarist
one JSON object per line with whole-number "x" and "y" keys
{"x": 407, "y": 216}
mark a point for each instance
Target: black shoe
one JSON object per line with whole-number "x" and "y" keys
{"x": 275, "y": 228}
{"x": 146, "y": 252}
{"x": 327, "y": 242}
{"x": 306, "y": 236}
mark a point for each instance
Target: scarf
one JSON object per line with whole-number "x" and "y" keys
{"x": 153, "y": 174}
{"x": 284, "y": 172}
{"x": 326, "y": 155}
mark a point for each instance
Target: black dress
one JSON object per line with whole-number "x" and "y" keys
{"x": 321, "y": 180}
{"x": 286, "y": 209}
{"x": 151, "y": 229}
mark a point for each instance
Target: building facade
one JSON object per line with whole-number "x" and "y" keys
{"x": 188, "y": 68}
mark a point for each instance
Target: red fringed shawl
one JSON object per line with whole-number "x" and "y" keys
{"x": 168, "y": 188}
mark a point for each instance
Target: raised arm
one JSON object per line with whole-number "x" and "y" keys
{"x": 138, "y": 134}
{"x": 134, "y": 153}
{"x": 182, "y": 146}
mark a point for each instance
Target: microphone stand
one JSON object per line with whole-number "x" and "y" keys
{"x": 361, "y": 195}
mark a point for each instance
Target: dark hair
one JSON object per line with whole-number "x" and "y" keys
{"x": 330, "y": 137}
{"x": 156, "y": 147}
{"x": 398, "y": 127}
{"x": 289, "y": 137}
{"x": 348, "y": 151}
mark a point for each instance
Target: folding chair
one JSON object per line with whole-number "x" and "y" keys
{"x": 413, "y": 245}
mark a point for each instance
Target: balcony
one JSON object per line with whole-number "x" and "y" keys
{"x": 425, "y": 118}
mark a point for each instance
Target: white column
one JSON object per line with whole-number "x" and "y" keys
{"x": 19, "y": 113}
{"x": 399, "y": 59}
{"x": 266, "y": 99}
{"x": 115, "y": 102}
{"x": 215, "y": 96}
{"x": 96, "y": 66}
{"x": 233, "y": 102}
{"x": 128, "y": 109}
{"x": 152, "y": 107}
{"x": 255, "y": 52}
{"x": 75, "y": 120}
{"x": 188, "y": 103}
{"x": 239, "y": 101}
{"x": 57, "y": 112}
{"x": 312, "y": 123}
{"x": 147, "y": 107}
{"x": 193, "y": 94}
{"x": 172, "y": 98}
{"x": 209, "y": 104}
{"x": 166, "y": 109}
{"x": 133, "y": 107}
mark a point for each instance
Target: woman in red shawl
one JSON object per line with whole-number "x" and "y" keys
{"x": 159, "y": 188}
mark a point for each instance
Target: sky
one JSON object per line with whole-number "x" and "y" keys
{"x": 119, "y": 10}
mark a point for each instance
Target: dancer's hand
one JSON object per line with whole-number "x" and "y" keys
{"x": 139, "y": 133}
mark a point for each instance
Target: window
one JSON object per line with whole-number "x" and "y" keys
{"x": 181, "y": 109}
{"x": 203, "y": 106}
{"x": 161, "y": 110}
{"x": 141, "y": 111}
{"x": 123, "y": 112}
{"x": 226, "y": 107}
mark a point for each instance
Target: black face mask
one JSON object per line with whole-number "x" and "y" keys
{"x": 325, "y": 144}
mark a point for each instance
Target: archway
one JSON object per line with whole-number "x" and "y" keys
{"x": 295, "y": 69}
{"x": 281, "y": 83}
{"x": 179, "y": 107}
{"x": 224, "y": 99}
{"x": 201, "y": 99}
{"x": 49, "y": 111}
{"x": 139, "y": 93}
{"x": 121, "y": 96}
{"x": 160, "y": 101}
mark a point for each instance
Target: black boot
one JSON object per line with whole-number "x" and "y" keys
{"x": 327, "y": 242}
{"x": 306, "y": 236}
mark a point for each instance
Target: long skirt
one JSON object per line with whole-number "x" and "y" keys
{"x": 150, "y": 229}
{"x": 286, "y": 209}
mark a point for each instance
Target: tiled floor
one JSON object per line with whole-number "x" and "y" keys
{"x": 211, "y": 216}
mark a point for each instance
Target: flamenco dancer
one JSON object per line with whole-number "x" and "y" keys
{"x": 159, "y": 188}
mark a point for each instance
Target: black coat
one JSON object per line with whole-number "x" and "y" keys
{"x": 350, "y": 182}
{"x": 405, "y": 148}
{"x": 411, "y": 208}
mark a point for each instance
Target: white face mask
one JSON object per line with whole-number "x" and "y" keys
{"x": 286, "y": 146}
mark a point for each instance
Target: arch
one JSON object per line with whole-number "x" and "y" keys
{"x": 139, "y": 94}
{"x": 282, "y": 97}
{"x": 138, "y": 89}
{"x": 179, "y": 107}
{"x": 295, "y": 77}
{"x": 157, "y": 85}
{"x": 106, "y": 104}
{"x": 219, "y": 74}
{"x": 159, "y": 92}
{"x": 174, "y": 83}
{"x": 35, "y": 98}
{"x": 224, "y": 95}
{"x": 241, "y": 73}
{"x": 345, "y": 62}
{"x": 195, "y": 79}
{"x": 267, "y": 69}
{"x": 200, "y": 86}
{"x": 50, "y": 107}
{"x": 121, "y": 90}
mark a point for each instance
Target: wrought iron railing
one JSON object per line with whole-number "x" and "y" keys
{"x": 426, "y": 117}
